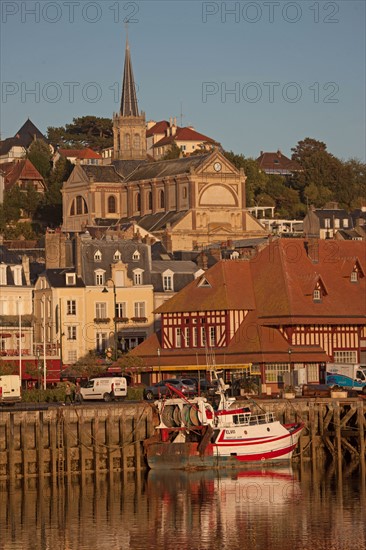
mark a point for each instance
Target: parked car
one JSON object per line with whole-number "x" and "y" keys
{"x": 108, "y": 389}
{"x": 185, "y": 385}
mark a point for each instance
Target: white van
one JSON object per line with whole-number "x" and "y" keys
{"x": 10, "y": 390}
{"x": 107, "y": 389}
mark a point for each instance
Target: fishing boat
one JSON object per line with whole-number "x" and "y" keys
{"x": 193, "y": 434}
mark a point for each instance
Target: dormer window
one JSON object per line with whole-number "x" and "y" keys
{"x": 136, "y": 256}
{"x": 117, "y": 256}
{"x": 99, "y": 275}
{"x": 168, "y": 280}
{"x": 70, "y": 279}
{"x": 137, "y": 276}
{"x": 3, "y": 268}
{"x": 98, "y": 256}
{"x": 345, "y": 222}
{"x": 354, "y": 277}
{"x": 204, "y": 282}
{"x": 234, "y": 255}
{"x": 17, "y": 274}
{"x": 317, "y": 295}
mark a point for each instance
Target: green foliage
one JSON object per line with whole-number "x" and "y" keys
{"x": 86, "y": 131}
{"x": 173, "y": 153}
{"x": 50, "y": 395}
{"x": 40, "y": 156}
{"x": 135, "y": 394}
{"x": 323, "y": 178}
{"x": 7, "y": 367}
{"x": 50, "y": 210}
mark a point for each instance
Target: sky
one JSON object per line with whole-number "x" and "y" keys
{"x": 255, "y": 76}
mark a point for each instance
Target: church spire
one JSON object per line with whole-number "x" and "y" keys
{"x": 129, "y": 106}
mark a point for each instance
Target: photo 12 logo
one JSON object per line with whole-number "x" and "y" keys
{"x": 269, "y": 12}
{"x": 54, "y": 92}
{"x": 70, "y": 12}
{"x": 253, "y": 92}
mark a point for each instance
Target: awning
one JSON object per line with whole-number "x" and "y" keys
{"x": 5, "y": 335}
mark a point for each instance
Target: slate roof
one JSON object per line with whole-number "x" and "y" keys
{"x": 164, "y": 168}
{"x": 158, "y": 221}
{"x": 126, "y": 167}
{"x": 108, "y": 249}
{"x": 333, "y": 214}
{"x": 23, "y": 138}
{"x": 102, "y": 174}
{"x": 57, "y": 278}
{"x": 183, "y": 273}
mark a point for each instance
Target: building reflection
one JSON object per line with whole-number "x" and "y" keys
{"x": 263, "y": 508}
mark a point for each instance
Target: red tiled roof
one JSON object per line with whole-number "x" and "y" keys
{"x": 229, "y": 288}
{"x": 283, "y": 274}
{"x": 158, "y": 128}
{"x": 81, "y": 154}
{"x": 184, "y": 134}
{"x": 20, "y": 170}
{"x": 276, "y": 162}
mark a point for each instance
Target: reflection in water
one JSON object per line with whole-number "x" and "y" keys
{"x": 254, "y": 509}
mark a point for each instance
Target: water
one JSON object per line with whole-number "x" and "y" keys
{"x": 279, "y": 508}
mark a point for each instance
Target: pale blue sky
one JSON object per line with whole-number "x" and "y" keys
{"x": 193, "y": 53}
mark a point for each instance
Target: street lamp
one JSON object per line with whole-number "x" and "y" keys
{"x": 44, "y": 340}
{"x": 159, "y": 364}
{"x": 105, "y": 290}
{"x": 20, "y": 337}
{"x": 291, "y": 373}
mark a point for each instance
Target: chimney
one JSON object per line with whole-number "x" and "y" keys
{"x": 26, "y": 271}
{"x": 202, "y": 261}
{"x": 175, "y": 121}
{"x": 312, "y": 250}
{"x": 78, "y": 255}
{"x": 279, "y": 153}
{"x": 261, "y": 153}
{"x": 173, "y": 130}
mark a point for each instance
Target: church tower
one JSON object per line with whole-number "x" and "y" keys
{"x": 129, "y": 127}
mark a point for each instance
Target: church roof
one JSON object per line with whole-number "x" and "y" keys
{"x": 103, "y": 174}
{"x": 158, "y": 221}
{"x": 166, "y": 168}
{"x": 126, "y": 167}
{"x": 129, "y": 106}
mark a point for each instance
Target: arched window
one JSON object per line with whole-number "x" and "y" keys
{"x": 138, "y": 202}
{"x": 72, "y": 209}
{"x": 136, "y": 141}
{"x": 161, "y": 199}
{"x": 79, "y": 204}
{"x": 149, "y": 200}
{"x": 127, "y": 141}
{"x": 111, "y": 204}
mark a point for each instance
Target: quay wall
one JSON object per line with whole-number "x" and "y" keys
{"x": 107, "y": 438}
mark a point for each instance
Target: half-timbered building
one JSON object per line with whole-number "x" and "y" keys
{"x": 284, "y": 314}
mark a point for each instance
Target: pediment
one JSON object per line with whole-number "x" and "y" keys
{"x": 207, "y": 168}
{"x": 219, "y": 228}
{"x": 77, "y": 176}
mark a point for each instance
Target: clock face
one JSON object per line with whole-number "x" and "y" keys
{"x": 217, "y": 166}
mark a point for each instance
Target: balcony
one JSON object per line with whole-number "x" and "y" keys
{"x": 139, "y": 319}
{"x": 102, "y": 320}
{"x": 121, "y": 319}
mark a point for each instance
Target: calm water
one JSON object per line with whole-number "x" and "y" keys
{"x": 280, "y": 509}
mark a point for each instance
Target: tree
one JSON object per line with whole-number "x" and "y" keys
{"x": 40, "y": 156}
{"x": 257, "y": 180}
{"x": 86, "y": 131}
{"x": 174, "y": 152}
{"x": 51, "y": 208}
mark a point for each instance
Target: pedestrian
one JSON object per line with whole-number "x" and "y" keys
{"x": 68, "y": 393}
{"x": 78, "y": 396}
